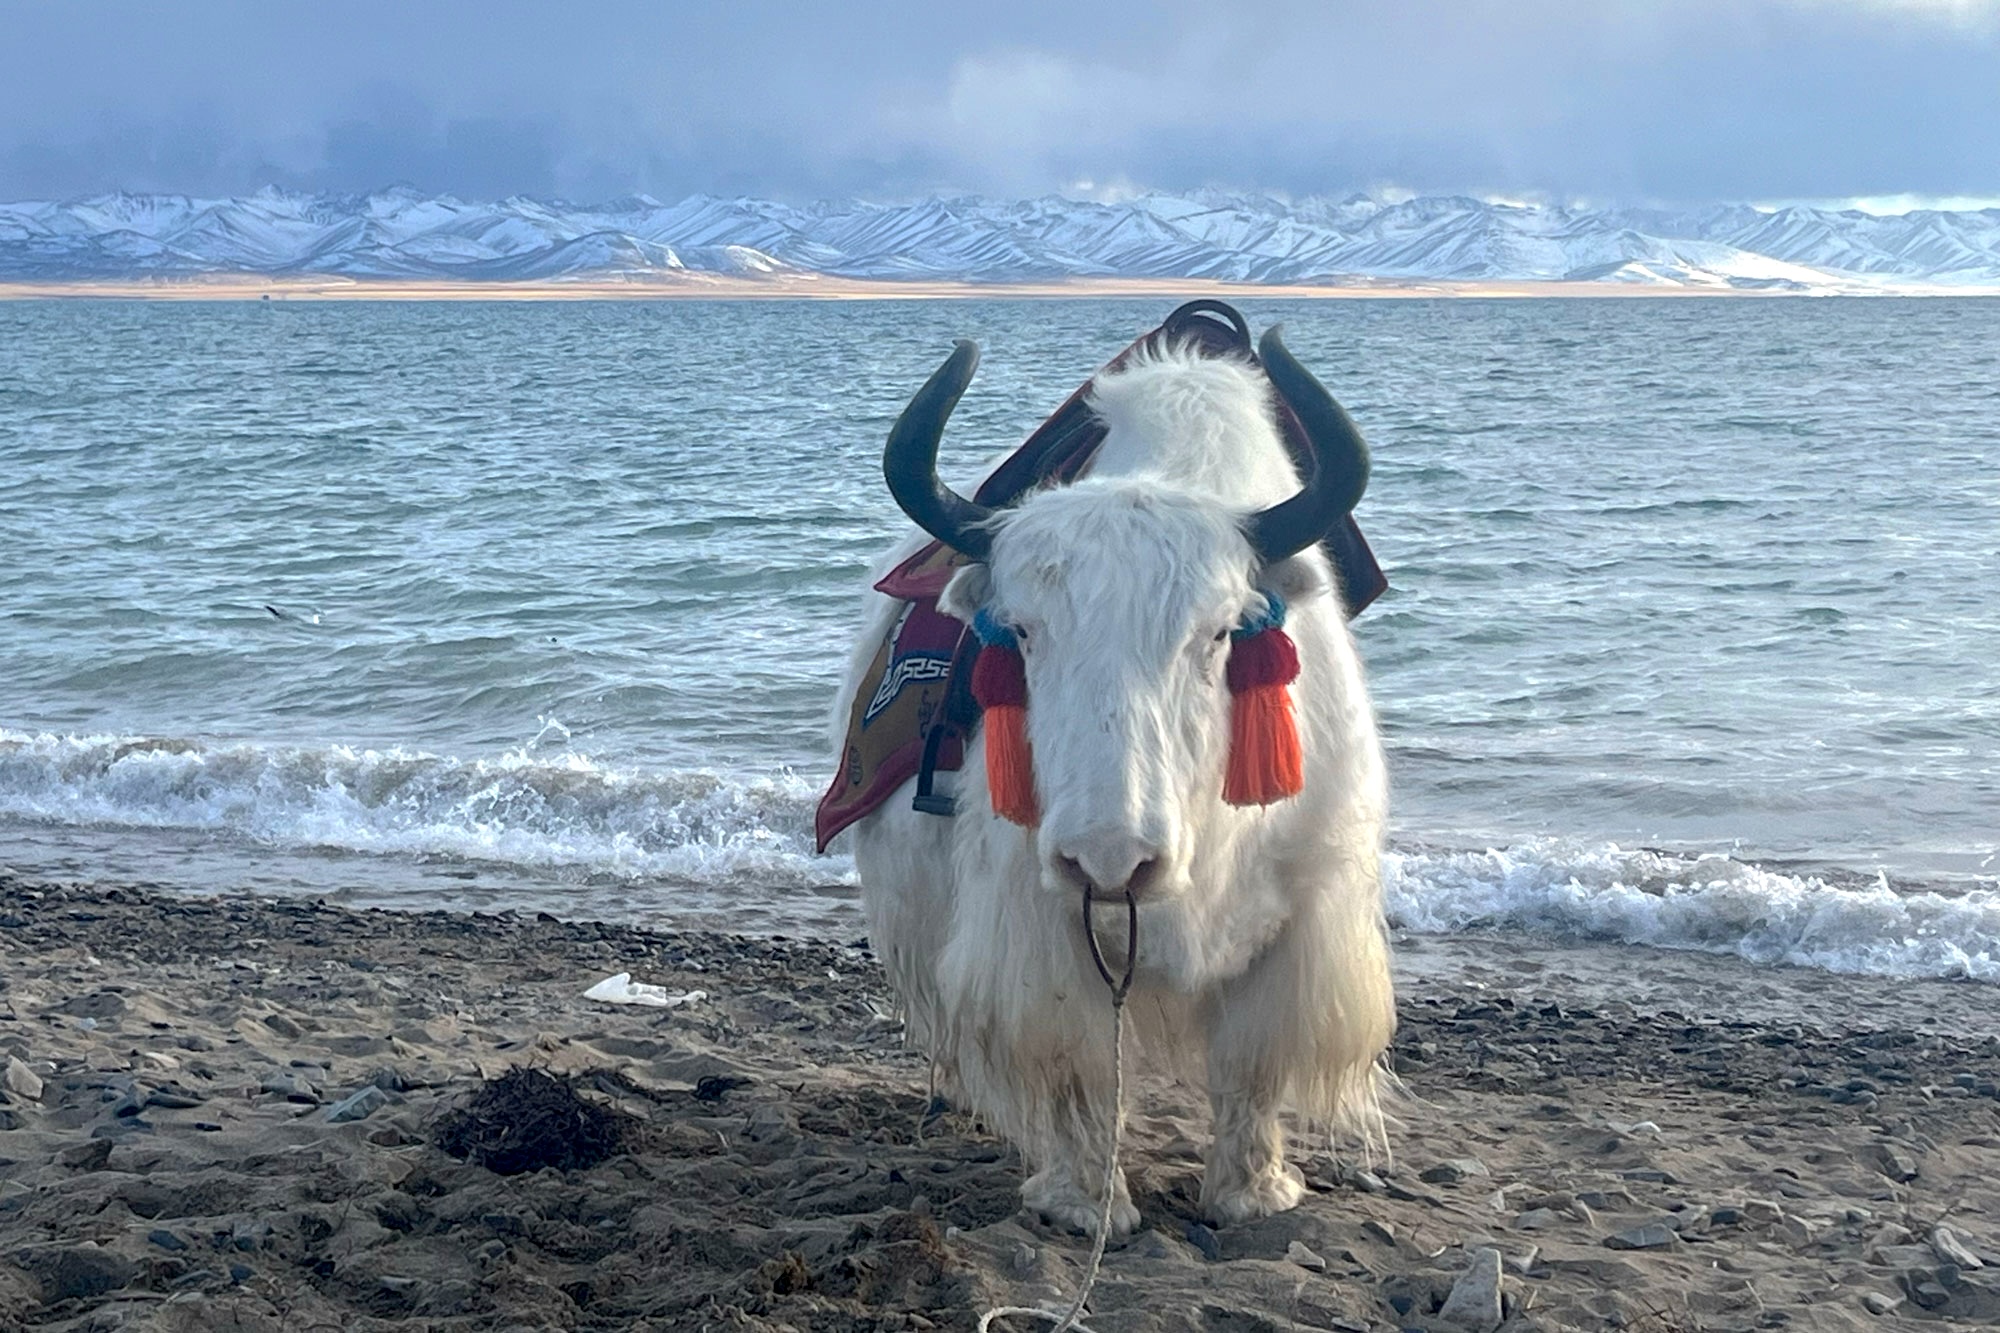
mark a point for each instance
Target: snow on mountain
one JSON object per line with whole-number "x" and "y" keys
{"x": 1208, "y": 234}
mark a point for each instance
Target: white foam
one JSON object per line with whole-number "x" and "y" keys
{"x": 1709, "y": 903}
{"x": 534, "y": 810}
{"x": 522, "y": 808}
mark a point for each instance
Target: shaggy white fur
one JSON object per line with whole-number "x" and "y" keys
{"x": 1261, "y": 934}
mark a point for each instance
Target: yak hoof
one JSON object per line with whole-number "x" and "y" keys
{"x": 1274, "y": 1190}
{"x": 1063, "y": 1204}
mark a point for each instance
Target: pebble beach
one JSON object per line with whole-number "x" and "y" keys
{"x": 233, "y": 1112}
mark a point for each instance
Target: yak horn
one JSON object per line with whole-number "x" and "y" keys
{"x": 1339, "y": 461}
{"x": 909, "y": 462}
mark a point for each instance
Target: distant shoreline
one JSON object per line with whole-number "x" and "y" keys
{"x": 719, "y": 287}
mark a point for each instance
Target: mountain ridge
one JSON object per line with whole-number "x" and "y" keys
{"x": 401, "y": 233}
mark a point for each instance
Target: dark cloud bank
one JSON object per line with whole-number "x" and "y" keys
{"x": 1668, "y": 101}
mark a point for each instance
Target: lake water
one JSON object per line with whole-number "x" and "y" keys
{"x": 1690, "y": 640}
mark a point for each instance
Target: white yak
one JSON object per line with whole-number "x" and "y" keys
{"x": 1262, "y": 961}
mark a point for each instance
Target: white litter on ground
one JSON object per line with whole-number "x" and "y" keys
{"x": 621, "y": 989}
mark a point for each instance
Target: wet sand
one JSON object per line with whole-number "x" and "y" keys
{"x": 1642, "y": 1140}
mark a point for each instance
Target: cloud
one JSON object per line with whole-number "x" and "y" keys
{"x": 1668, "y": 100}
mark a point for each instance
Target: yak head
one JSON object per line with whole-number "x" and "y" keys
{"x": 1122, "y": 591}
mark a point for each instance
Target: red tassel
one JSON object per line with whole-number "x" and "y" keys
{"x": 1000, "y": 684}
{"x": 1266, "y": 760}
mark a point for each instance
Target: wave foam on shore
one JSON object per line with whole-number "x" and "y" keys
{"x": 544, "y": 811}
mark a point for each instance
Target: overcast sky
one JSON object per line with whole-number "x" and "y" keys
{"x": 1670, "y": 101}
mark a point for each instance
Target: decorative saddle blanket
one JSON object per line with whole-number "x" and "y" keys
{"x": 913, "y": 711}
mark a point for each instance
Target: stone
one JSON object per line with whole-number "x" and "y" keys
{"x": 357, "y": 1105}
{"x": 1951, "y": 1248}
{"x": 1801, "y": 1231}
{"x": 389, "y": 1079}
{"x": 291, "y": 1087}
{"x": 22, "y": 1080}
{"x": 1203, "y": 1238}
{"x": 283, "y": 1026}
{"x": 166, "y": 1239}
{"x": 1381, "y": 1231}
{"x": 1366, "y": 1181}
{"x": 1299, "y": 1254}
{"x": 1023, "y": 1260}
{"x": 89, "y": 1156}
{"x": 172, "y": 1100}
{"x": 1474, "y": 1302}
{"x": 81, "y": 1272}
{"x": 1877, "y": 1303}
{"x": 1444, "y": 1173}
{"x": 1535, "y": 1219}
{"x": 1894, "y": 1163}
{"x": 1651, "y": 1236}
{"x": 1906, "y": 1257}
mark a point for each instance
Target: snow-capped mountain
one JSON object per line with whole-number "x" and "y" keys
{"x": 400, "y": 233}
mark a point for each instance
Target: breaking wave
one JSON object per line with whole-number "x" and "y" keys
{"x": 537, "y": 811}
{"x": 525, "y": 809}
{"x": 1714, "y": 904}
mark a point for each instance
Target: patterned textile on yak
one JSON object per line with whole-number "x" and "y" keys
{"x": 914, "y": 710}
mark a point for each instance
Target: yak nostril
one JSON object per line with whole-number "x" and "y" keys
{"x": 1136, "y": 881}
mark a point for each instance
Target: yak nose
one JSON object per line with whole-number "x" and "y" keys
{"x": 1111, "y": 862}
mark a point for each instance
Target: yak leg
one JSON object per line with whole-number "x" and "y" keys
{"x": 1068, "y": 1186}
{"x": 1030, "y": 1034}
{"x": 1040, "y": 1070}
{"x": 1247, "y": 1175}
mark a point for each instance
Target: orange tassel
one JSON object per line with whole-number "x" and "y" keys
{"x": 1010, "y": 767}
{"x": 1266, "y": 760}
{"x": 1000, "y": 685}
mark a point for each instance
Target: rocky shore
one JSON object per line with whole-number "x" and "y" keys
{"x": 233, "y": 1113}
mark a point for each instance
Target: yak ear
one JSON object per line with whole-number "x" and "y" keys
{"x": 966, "y": 593}
{"x": 1298, "y": 579}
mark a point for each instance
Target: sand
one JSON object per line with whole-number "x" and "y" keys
{"x": 1590, "y": 1138}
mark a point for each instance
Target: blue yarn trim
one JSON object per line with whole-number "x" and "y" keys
{"x": 1270, "y": 616}
{"x": 992, "y": 633}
